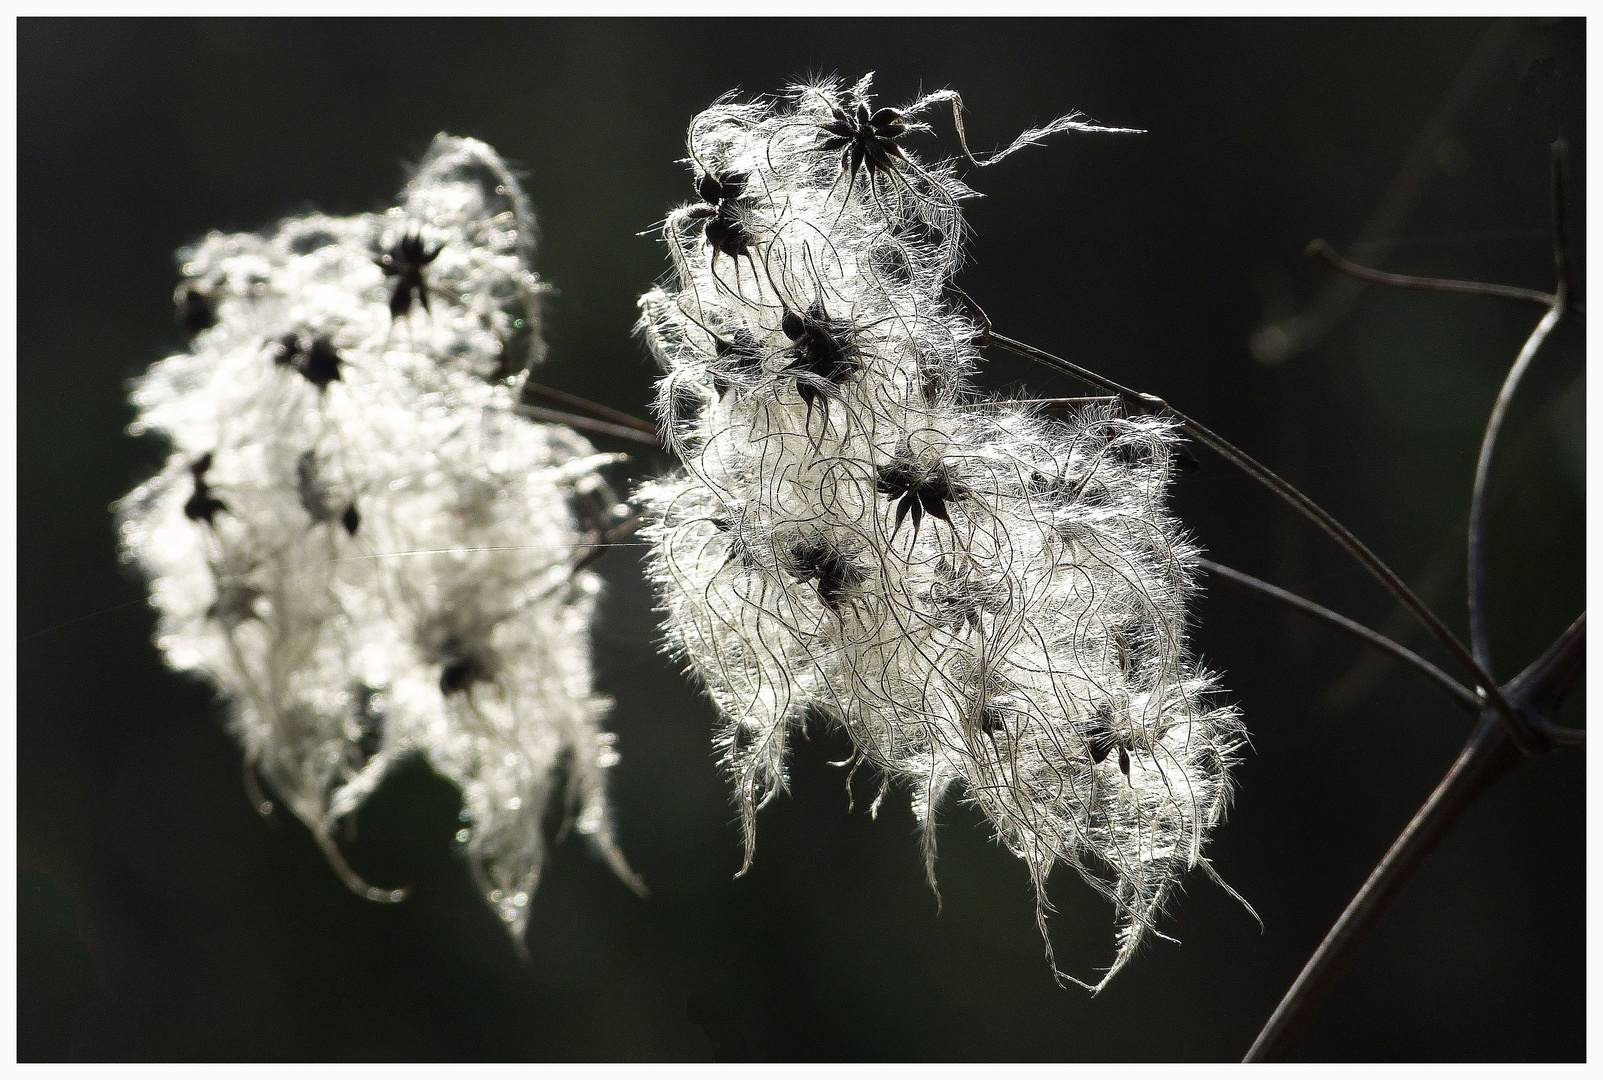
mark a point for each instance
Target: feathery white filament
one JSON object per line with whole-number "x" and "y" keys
{"x": 355, "y": 537}
{"x": 990, "y": 602}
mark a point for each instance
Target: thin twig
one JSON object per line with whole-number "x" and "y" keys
{"x": 609, "y": 539}
{"x": 1524, "y": 736}
{"x": 1319, "y": 249}
{"x": 584, "y": 406}
{"x": 585, "y": 423}
{"x": 1489, "y": 754}
{"x": 1004, "y": 402}
{"x": 1461, "y": 695}
{"x": 1479, "y": 629}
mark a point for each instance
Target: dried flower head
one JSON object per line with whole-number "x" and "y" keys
{"x": 357, "y": 539}
{"x": 991, "y": 603}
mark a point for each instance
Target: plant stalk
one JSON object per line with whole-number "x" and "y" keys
{"x": 1460, "y": 695}
{"x": 1489, "y": 754}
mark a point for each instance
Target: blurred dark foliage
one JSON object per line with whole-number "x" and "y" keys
{"x": 212, "y": 934}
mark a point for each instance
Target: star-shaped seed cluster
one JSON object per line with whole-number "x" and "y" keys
{"x": 990, "y": 603}
{"x": 356, "y": 538}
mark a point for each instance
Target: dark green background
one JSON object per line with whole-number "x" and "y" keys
{"x": 160, "y": 918}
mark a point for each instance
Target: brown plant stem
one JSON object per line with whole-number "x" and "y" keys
{"x": 1460, "y": 695}
{"x": 631, "y": 432}
{"x": 1479, "y": 627}
{"x": 1004, "y": 402}
{"x": 575, "y": 403}
{"x": 609, "y": 540}
{"x": 1322, "y": 250}
{"x": 1489, "y": 754}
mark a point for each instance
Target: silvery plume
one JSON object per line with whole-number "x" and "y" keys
{"x": 991, "y": 603}
{"x": 359, "y": 542}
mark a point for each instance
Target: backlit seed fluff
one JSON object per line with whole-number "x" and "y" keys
{"x": 357, "y": 539}
{"x": 990, "y": 602}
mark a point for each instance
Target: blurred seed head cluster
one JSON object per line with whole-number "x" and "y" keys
{"x": 360, "y": 543}
{"x": 989, "y": 601}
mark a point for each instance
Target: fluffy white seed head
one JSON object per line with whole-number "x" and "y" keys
{"x": 990, "y": 602}
{"x": 356, "y": 538}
